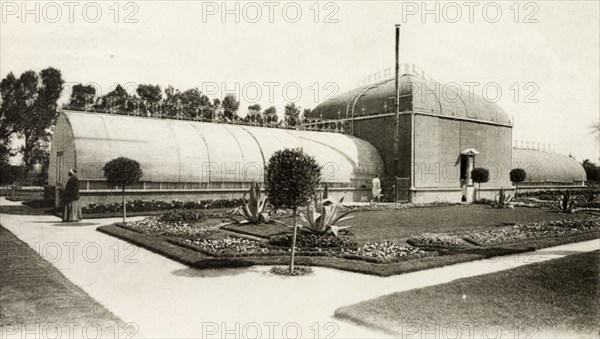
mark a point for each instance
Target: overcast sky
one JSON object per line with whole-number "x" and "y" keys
{"x": 546, "y": 64}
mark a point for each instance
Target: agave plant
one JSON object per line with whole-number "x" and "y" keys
{"x": 323, "y": 217}
{"x": 503, "y": 199}
{"x": 253, "y": 208}
{"x": 566, "y": 204}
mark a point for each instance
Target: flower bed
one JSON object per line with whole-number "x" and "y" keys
{"x": 312, "y": 241}
{"x": 160, "y": 205}
{"x": 386, "y": 252}
{"x": 395, "y": 206}
{"x": 435, "y": 240}
{"x": 182, "y": 229}
{"x": 551, "y": 194}
{"x": 383, "y": 252}
{"x": 182, "y": 215}
{"x": 535, "y": 230}
{"x": 230, "y": 247}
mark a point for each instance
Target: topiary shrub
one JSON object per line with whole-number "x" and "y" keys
{"x": 122, "y": 172}
{"x": 480, "y": 175}
{"x": 517, "y": 175}
{"x": 291, "y": 179}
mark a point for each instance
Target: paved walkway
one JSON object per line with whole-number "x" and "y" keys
{"x": 167, "y": 299}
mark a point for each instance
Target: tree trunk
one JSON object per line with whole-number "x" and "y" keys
{"x": 294, "y": 242}
{"x": 124, "y": 208}
{"x": 516, "y": 190}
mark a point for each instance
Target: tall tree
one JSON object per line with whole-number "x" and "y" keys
{"x": 33, "y": 98}
{"x": 150, "y": 93}
{"x": 194, "y": 103}
{"x": 254, "y": 114}
{"x": 230, "y": 107}
{"x": 291, "y": 115}
{"x": 592, "y": 171}
{"x": 270, "y": 114}
{"x": 9, "y": 110}
{"x": 82, "y": 96}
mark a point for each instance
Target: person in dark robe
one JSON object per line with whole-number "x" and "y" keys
{"x": 71, "y": 209}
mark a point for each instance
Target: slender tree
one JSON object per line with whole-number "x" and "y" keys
{"x": 270, "y": 115}
{"x": 291, "y": 179}
{"x": 82, "y": 96}
{"x": 122, "y": 172}
{"x": 291, "y": 115}
{"x": 230, "y": 107}
{"x": 517, "y": 175}
{"x": 480, "y": 175}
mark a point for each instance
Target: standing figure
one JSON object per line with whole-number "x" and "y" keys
{"x": 376, "y": 188}
{"x": 71, "y": 209}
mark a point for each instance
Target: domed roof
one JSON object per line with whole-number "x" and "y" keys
{"x": 189, "y": 151}
{"x": 548, "y": 167}
{"x": 416, "y": 93}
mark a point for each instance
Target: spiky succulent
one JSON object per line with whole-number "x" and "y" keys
{"x": 322, "y": 219}
{"x": 253, "y": 208}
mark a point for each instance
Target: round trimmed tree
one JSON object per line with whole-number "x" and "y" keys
{"x": 480, "y": 175}
{"x": 122, "y": 172}
{"x": 291, "y": 179}
{"x": 517, "y": 175}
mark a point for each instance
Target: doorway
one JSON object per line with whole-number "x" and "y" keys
{"x": 466, "y": 182}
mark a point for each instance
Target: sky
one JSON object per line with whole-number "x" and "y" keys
{"x": 537, "y": 60}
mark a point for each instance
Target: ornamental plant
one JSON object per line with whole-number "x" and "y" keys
{"x": 517, "y": 175}
{"x": 480, "y": 175}
{"x": 291, "y": 179}
{"x": 122, "y": 172}
{"x": 503, "y": 200}
{"x": 322, "y": 218}
{"x": 253, "y": 208}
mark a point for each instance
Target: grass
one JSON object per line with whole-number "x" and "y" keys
{"x": 398, "y": 225}
{"x": 187, "y": 255}
{"x": 369, "y": 226}
{"x": 33, "y": 292}
{"x": 560, "y": 297}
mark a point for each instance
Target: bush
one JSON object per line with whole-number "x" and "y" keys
{"x": 436, "y": 240}
{"x": 299, "y": 271}
{"x": 188, "y": 215}
{"x": 480, "y": 175}
{"x": 517, "y": 175}
{"x": 161, "y": 205}
{"x": 313, "y": 241}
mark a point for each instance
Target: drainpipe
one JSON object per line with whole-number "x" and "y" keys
{"x": 397, "y": 115}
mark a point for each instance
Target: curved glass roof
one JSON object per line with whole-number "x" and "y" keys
{"x": 188, "y": 151}
{"x": 416, "y": 93}
{"x": 548, "y": 167}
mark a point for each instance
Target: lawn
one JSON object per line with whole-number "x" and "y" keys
{"x": 373, "y": 249}
{"x": 34, "y": 293}
{"x": 559, "y": 297}
{"x": 398, "y": 225}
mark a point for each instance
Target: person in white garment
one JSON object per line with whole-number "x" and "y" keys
{"x": 376, "y": 188}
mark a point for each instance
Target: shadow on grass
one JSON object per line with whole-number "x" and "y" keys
{"x": 26, "y": 210}
{"x": 209, "y": 273}
{"x": 74, "y": 224}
